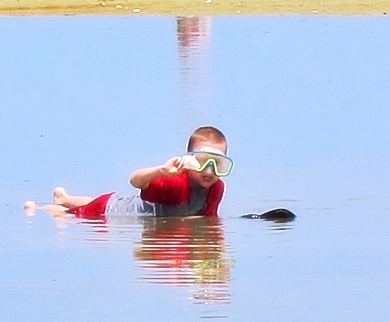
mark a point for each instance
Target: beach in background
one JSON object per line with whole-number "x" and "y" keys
{"x": 191, "y": 7}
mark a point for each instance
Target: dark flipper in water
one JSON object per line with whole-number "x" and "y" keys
{"x": 278, "y": 215}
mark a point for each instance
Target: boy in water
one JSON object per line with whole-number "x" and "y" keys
{"x": 169, "y": 189}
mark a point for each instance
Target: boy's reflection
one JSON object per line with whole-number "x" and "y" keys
{"x": 186, "y": 251}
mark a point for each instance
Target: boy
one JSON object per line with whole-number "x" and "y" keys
{"x": 169, "y": 189}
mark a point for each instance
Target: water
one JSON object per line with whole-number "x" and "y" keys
{"x": 303, "y": 102}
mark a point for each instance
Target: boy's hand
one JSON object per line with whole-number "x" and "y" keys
{"x": 174, "y": 167}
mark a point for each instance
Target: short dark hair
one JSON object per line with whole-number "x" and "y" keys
{"x": 206, "y": 133}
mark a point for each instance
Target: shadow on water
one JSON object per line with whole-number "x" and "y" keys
{"x": 186, "y": 252}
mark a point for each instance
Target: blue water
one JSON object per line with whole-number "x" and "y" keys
{"x": 303, "y": 101}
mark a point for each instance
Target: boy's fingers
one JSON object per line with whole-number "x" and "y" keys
{"x": 181, "y": 163}
{"x": 173, "y": 170}
{"x": 177, "y": 165}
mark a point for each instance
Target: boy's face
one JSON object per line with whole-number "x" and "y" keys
{"x": 207, "y": 177}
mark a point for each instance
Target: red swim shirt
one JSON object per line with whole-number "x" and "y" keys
{"x": 176, "y": 190}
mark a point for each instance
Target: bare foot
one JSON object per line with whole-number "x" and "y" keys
{"x": 59, "y": 196}
{"x": 30, "y": 207}
{"x": 62, "y": 198}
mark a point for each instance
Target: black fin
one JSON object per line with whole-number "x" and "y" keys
{"x": 278, "y": 214}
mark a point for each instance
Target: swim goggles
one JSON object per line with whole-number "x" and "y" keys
{"x": 221, "y": 163}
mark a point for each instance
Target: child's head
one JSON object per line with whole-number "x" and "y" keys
{"x": 207, "y": 136}
{"x": 206, "y": 139}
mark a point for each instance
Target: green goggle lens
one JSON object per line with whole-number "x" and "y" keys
{"x": 221, "y": 164}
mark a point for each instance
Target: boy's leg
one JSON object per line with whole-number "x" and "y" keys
{"x": 30, "y": 207}
{"x": 62, "y": 198}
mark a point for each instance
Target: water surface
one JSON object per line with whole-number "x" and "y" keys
{"x": 303, "y": 102}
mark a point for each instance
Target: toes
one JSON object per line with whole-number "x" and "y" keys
{"x": 30, "y": 205}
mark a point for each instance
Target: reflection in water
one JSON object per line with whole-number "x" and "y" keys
{"x": 100, "y": 228}
{"x": 195, "y": 75}
{"x": 181, "y": 251}
{"x": 177, "y": 251}
{"x": 112, "y": 229}
{"x": 280, "y": 225}
{"x": 186, "y": 251}
{"x": 192, "y": 32}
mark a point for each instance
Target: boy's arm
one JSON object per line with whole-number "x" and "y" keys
{"x": 214, "y": 198}
{"x": 141, "y": 178}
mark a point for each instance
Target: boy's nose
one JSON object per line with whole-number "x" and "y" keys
{"x": 209, "y": 169}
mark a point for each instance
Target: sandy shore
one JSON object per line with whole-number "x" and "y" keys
{"x": 188, "y": 7}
